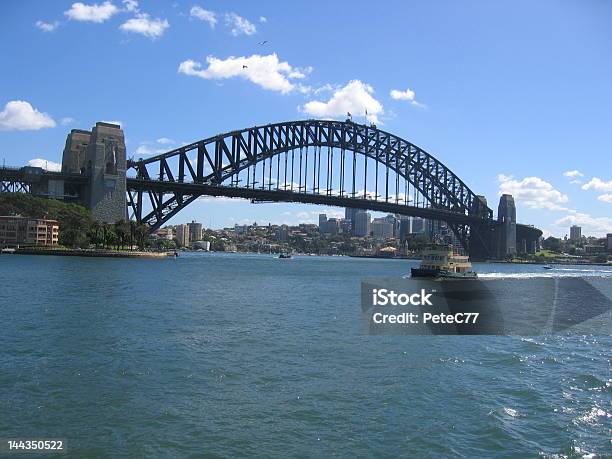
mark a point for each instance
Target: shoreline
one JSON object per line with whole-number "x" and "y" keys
{"x": 99, "y": 253}
{"x": 91, "y": 253}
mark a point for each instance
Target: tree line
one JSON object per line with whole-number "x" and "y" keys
{"x": 77, "y": 226}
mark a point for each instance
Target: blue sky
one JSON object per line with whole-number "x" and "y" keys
{"x": 513, "y": 96}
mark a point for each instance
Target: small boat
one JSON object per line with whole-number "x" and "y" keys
{"x": 547, "y": 267}
{"x": 444, "y": 264}
{"x": 285, "y": 255}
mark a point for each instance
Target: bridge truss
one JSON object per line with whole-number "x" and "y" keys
{"x": 311, "y": 161}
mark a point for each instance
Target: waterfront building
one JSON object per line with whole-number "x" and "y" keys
{"x": 195, "y": 231}
{"x": 202, "y": 245}
{"x": 15, "y": 230}
{"x": 594, "y": 249}
{"x": 362, "y": 224}
{"x": 165, "y": 233}
{"x": 182, "y": 235}
{"x": 575, "y": 233}
{"x": 609, "y": 242}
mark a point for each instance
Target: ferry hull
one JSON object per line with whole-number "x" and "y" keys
{"x": 441, "y": 274}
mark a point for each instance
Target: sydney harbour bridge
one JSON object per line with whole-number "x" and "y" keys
{"x": 334, "y": 163}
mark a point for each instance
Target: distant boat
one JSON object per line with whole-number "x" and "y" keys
{"x": 285, "y": 255}
{"x": 547, "y": 267}
{"x": 444, "y": 263}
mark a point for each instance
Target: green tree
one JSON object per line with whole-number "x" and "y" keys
{"x": 141, "y": 232}
{"x": 552, "y": 243}
{"x": 96, "y": 233}
{"x": 74, "y": 220}
{"x": 122, "y": 230}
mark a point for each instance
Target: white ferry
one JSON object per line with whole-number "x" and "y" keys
{"x": 444, "y": 263}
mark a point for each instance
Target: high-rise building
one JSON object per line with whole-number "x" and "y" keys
{"x": 182, "y": 235}
{"x": 393, "y": 222}
{"x": 282, "y": 234}
{"x": 382, "y": 228}
{"x": 575, "y": 233}
{"x": 322, "y": 221}
{"x": 506, "y": 214}
{"x": 362, "y": 224}
{"x": 349, "y": 214}
{"x": 346, "y": 225}
{"x": 405, "y": 228}
{"x": 332, "y": 226}
{"x": 195, "y": 231}
{"x": 418, "y": 225}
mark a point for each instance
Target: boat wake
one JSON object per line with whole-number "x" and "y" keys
{"x": 547, "y": 274}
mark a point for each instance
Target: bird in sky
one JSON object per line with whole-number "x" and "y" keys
{"x": 263, "y": 42}
{"x": 244, "y": 67}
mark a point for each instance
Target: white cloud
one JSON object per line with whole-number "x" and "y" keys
{"x": 534, "y": 192}
{"x": 605, "y": 198}
{"x": 355, "y": 98}
{"x": 596, "y": 226}
{"x": 309, "y": 216}
{"x": 263, "y": 19}
{"x": 91, "y": 13}
{"x": 265, "y": 71}
{"x": 142, "y": 24}
{"x": 325, "y": 88}
{"x": 165, "y": 141}
{"x": 575, "y": 182}
{"x": 67, "y": 120}
{"x": 20, "y": 115}
{"x": 573, "y": 174}
{"x": 239, "y": 25}
{"x": 47, "y": 26}
{"x": 47, "y": 165}
{"x": 598, "y": 184}
{"x": 131, "y": 5}
{"x": 204, "y": 15}
{"x": 145, "y": 149}
{"x": 407, "y": 95}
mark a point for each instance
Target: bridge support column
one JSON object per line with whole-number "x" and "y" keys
{"x": 99, "y": 154}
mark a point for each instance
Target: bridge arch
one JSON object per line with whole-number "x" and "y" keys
{"x": 174, "y": 179}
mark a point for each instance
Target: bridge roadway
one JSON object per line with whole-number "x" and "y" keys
{"x": 274, "y": 195}
{"x": 30, "y": 177}
{"x": 29, "y": 174}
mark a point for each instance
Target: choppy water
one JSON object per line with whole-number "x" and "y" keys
{"x": 234, "y": 355}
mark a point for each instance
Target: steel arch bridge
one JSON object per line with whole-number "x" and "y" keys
{"x": 310, "y": 161}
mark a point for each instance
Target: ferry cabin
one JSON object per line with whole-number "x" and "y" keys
{"x": 445, "y": 261}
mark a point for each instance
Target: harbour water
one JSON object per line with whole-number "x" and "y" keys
{"x": 232, "y": 355}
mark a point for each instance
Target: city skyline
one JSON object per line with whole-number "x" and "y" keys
{"x": 227, "y": 66}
